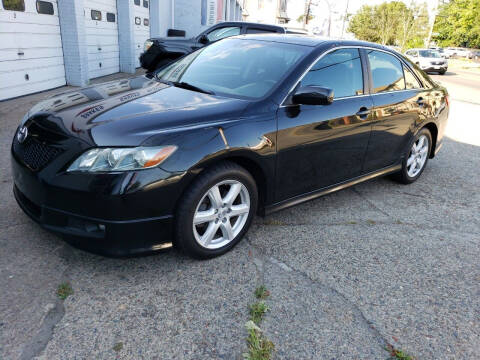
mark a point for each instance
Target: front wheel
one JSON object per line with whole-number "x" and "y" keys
{"x": 416, "y": 158}
{"x": 216, "y": 211}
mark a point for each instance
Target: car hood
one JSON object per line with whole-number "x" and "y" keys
{"x": 179, "y": 43}
{"x": 127, "y": 112}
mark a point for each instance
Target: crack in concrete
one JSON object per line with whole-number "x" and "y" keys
{"x": 55, "y": 314}
{"x": 44, "y": 335}
{"x": 371, "y": 203}
{"x": 383, "y": 342}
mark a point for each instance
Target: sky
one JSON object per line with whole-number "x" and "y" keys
{"x": 320, "y": 22}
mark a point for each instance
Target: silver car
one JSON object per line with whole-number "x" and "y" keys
{"x": 428, "y": 60}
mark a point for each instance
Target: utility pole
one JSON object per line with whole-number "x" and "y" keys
{"x": 306, "y": 14}
{"x": 345, "y": 18}
{"x": 430, "y": 32}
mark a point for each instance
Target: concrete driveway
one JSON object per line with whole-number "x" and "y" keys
{"x": 376, "y": 264}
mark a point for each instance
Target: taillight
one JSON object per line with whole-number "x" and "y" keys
{"x": 447, "y": 100}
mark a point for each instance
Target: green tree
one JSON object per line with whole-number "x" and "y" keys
{"x": 412, "y": 26}
{"x": 458, "y": 24}
{"x": 391, "y": 23}
{"x": 363, "y": 24}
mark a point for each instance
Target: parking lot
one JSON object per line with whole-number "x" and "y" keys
{"x": 376, "y": 264}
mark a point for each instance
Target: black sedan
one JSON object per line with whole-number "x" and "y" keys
{"x": 250, "y": 124}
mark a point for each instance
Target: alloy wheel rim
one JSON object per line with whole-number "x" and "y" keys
{"x": 221, "y": 214}
{"x": 418, "y": 156}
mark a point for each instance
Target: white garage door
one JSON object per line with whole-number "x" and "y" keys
{"x": 141, "y": 28}
{"x": 101, "y": 27}
{"x": 31, "y": 56}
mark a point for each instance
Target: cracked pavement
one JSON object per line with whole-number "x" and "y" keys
{"x": 348, "y": 273}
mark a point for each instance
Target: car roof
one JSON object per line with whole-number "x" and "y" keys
{"x": 309, "y": 40}
{"x": 244, "y": 23}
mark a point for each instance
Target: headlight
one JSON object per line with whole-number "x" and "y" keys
{"x": 121, "y": 159}
{"x": 147, "y": 45}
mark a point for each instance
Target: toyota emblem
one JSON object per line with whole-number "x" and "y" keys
{"x": 22, "y": 134}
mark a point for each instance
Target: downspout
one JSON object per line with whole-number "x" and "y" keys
{"x": 173, "y": 13}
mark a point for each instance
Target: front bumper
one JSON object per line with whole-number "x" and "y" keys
{"x": 109, "y": 214}
{"x": 435, "y": 68}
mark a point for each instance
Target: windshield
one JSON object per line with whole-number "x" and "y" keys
{"x": 429, "y": 53}
{"x": 235, "y": 67}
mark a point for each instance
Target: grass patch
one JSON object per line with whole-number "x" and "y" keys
{"x": 118, "y": 346}
{"x": 396, "y": 354}
{"x": 257, "y": 311}
{"x": 259, "y": 347}
{"x": 261, "y": 292}
{"x": 64, "y": 290}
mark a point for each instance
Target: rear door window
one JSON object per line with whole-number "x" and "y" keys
{"x": 339, "y": 70}
{"x": 411, "y": 81}
{"x": 223, "y": 32}
{"x": 387, "y": 72}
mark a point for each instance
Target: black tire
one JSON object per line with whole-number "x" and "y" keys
{"x": 402, "y": 176}
{"x": 442, "y": 72}
{"x": 184, "y": 235}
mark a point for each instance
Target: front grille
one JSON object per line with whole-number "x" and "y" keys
{"x": 33, "y": 153}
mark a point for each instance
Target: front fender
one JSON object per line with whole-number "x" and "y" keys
{"x": 252, "y": 139}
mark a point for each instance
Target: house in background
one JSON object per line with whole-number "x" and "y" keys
{"x": 48, "y": 43}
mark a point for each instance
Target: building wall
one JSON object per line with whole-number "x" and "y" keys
{"x": 195, "y": 16}
{"x": 72, "y": 27}
{"x": 161, "y": 17}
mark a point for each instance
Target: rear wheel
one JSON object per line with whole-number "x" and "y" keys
{"x": 216, "y": 211}
{"x": 416, "y": 158}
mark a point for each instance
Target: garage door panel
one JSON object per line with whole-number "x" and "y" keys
{"x": 17, "y": 78}
{"x": 99, "y": 57}
{"x": 12, "y": 54}
{"x": 11, "y": 92}
{"x": 31, "y": 55}
{"x": 8, "y": 18}
{"x": 18, "y": 28}
{"x": 30, "y": 64}
{"x": 108, "y": 66}
{"x": 141, "y": 32}
{"x": 25, "y": 40}
{"x": 102, "y": 39}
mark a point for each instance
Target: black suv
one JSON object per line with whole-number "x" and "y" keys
{"x": 161, "y": 51}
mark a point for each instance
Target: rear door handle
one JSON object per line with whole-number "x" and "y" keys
{"x": 363, "y": 113}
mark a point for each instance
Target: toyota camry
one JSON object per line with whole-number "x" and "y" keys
{"x": 248, "y": 125}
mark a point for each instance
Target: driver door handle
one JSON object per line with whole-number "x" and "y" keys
{"x": 363, "y": 112}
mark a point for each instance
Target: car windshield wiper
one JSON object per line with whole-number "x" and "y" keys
{"x": 185, "y": 85}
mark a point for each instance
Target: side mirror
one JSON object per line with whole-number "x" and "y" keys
{"x": 313, "y": 95}
{"x": 203, "y": 39}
